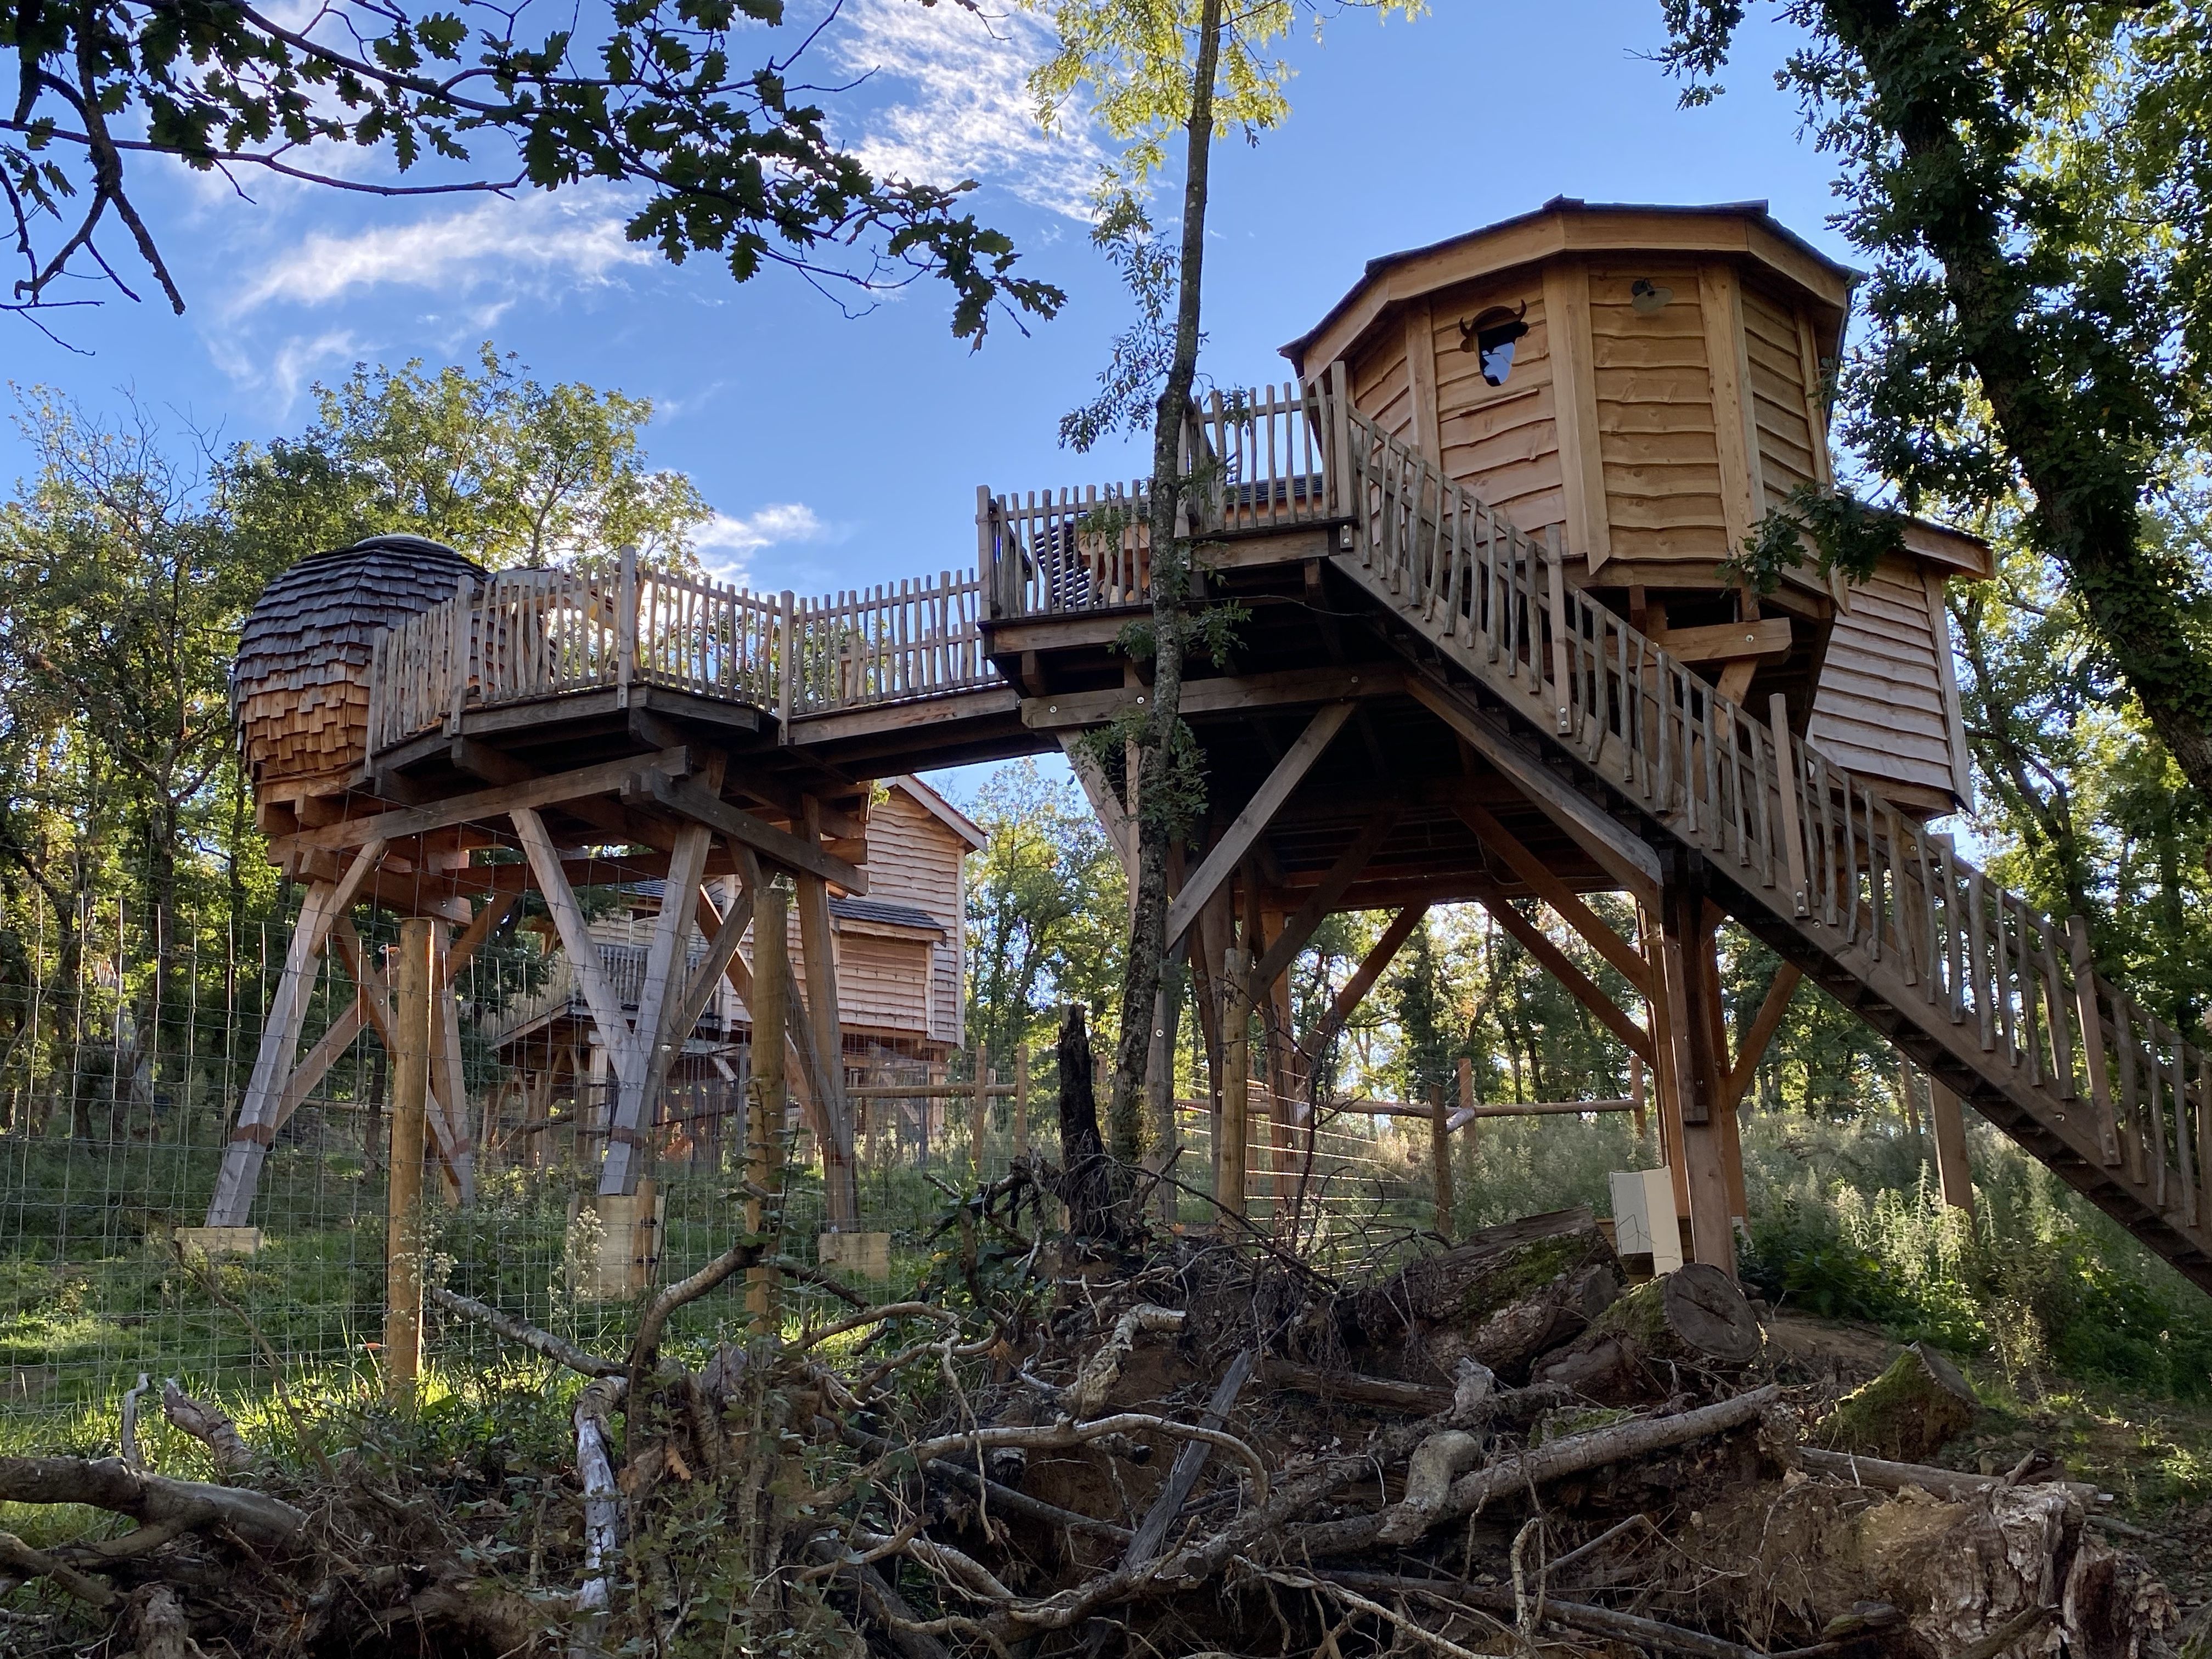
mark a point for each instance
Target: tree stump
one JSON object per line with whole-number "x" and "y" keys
{"x": 1694, "y": 1317}
{"x": 1906, "y": 1413}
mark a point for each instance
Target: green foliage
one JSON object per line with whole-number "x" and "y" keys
{"x": 511, "y": 471}
{"x": 1428, "y": 1048}
{"x": 1848, "y": 538}
{"x": 653, "y": 94}
{"x": 2031, "y": 183}
{"x": 1047, "y": 907}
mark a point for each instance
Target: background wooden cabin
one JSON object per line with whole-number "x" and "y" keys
{"x": 1654, "y": 440}
{"x": 899, "y": 952}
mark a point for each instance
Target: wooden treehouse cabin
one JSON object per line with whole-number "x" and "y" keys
{"x": 897, "y": 956}
{"x": 1491, "y": 655}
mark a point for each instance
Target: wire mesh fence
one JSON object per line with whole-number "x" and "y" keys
{"x": 121, "y": 1065}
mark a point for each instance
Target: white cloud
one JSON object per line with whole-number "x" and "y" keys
{"x": 959, "y": 108}
{"x": 777, "y": 524}
{"x": 505, "y": 244}
{"x": 282, "y": 372}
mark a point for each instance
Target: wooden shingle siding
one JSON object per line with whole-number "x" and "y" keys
{"x": 1880, "y": 709}
{"x": 298, "y": 686}
{"x": 1655, "y": 417}
{"x": 1382, "y": 386}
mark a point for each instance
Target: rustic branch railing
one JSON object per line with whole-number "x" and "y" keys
{"x": 1834, "y": 852}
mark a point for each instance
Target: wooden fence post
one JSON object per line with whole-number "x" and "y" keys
{"x": 1228, "y": 1151}
{"x": 764, "y": 1114}
{"x": 410, "y": 1087}
{"x": 1440, "y": 1158}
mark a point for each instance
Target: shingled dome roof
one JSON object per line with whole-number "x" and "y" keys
{"x": 299, "y": 688}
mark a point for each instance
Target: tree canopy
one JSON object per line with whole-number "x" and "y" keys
{"x": 721, "y": 140}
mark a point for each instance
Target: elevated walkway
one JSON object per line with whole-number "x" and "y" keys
{"x": 1373, "y": 579}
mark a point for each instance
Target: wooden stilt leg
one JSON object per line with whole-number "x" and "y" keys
{"x": 1697, "y": 1072}
{"x": 411, "y": 1080}
{"x": 1666, "y": 1082}
{"x": 765, "y": 1094}
{"x": 1229, "y": 1147}
{"x": 1952, "y": 1170}
{"x": 841, "y": 1197}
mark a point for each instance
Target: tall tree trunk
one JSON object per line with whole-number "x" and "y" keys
{"x": 1085, "y": 1186}
{"x": 2088, "y": 488}
{"x": 1170, "y": 570}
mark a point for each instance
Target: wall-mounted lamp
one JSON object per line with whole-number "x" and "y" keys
{"x": 1646, "y": 296}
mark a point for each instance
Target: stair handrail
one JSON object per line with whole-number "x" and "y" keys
{"x": 1746, "y": 791}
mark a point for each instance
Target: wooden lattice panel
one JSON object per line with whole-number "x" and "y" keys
{"x": 299, "y": 690}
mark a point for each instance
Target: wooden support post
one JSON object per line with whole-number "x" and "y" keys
{"x": 1663, "y": 1080}
{"x": 410, "y": 1088}
{"x": 272, "y": 1063}
{"x": 1695, "y": 1070}
{"x": 450, "y": 1082}
{"x": 1273, "y": 997}
{"x": 1466, "y": 1104}
{"x": 1727, "y": 1127}
{"x": 1952, "y": 1171}
{"x": 1908, "y": 1107}
{"x": 1160, "y": 1094}
{"x": 764, "y": 1103}
{"x": 1440, "y": 1159}
{"x": 840, "y": 1198}
{"x": 630, "y": 1132}
{"x": 1636, "y": 1093}
{"x": 1228, "y": 1145}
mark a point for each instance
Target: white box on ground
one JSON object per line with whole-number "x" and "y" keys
{"x": 1643, "y": 1219}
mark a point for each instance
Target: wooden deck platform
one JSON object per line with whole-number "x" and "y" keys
{"x": 1421, "y": 706}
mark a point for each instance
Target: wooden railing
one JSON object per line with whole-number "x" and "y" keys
{"x": 527, "y": 635}
{"x": 1258, "y": 461}
{"x": 1833, "y": 853}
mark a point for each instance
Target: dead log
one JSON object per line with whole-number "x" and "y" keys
{"x": 1555, "y": 1460}
{"x": 1888, "y": 1476}
{"x": 1906, "y": 1413}
{"x": 1086, "y": 1185}
{"x": 1694, "y": 1317}
{"x": 1419, "y": 1398}
{"x": 1504, "y": 1296}
{"x": 210, "y": 1424}
{"x": 108, "y": 1483}
{"x": 155, "y": 1621}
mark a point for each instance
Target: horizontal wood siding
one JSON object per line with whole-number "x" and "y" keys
{"x": 883, "y": 981}
{"x": 915, "y": 859}
{"x": 1778, "y": 400}
{"x": 1501, "y": 441}
{"x": 1880, "y": 707}
{"x": 1382, "y": 385}
{"x": 1654, "y": 418}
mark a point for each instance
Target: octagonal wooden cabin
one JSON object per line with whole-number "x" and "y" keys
{"x": 1647, "y": 383}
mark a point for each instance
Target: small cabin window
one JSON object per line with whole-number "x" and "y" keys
{"x": 1492, "y": 335}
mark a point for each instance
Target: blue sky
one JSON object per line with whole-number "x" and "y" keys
{"x": 841, "y": 451}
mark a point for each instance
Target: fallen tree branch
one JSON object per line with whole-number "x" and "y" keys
{"x": 1360, "y": 1390}
{"x": 999, "y": 1496}
{"x": 1881, "y": 1473}
{"x": 744, "y": 1254}
{"x": 1047, "y": 1437}
{"x": 559, "y": 1350}
{"x": 210, "y": 1424}
{"x": 1553, "y": 1461}
{"x": 1087, "y": 1395}
{"x": 109, "y": 1482}
{"x": 1570, "y": 1615}
{"x": 21, "y": 1558}
{"x": 1333, "y": 1585}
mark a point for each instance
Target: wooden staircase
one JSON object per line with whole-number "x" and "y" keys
{"x": 1996, "y": 1001}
